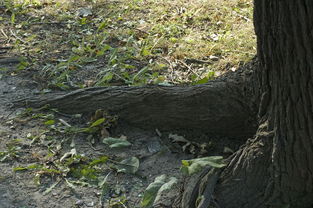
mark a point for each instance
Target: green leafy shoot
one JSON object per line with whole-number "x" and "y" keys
{"x": 87, "y": 170}
{"x": 50, "y": 122}
{"x": 29, "y": 167}
{"x": 97, "y": 122}
{"x": 100, "y": 160}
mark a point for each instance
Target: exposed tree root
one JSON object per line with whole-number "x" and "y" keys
{"x": 217, "y": 108}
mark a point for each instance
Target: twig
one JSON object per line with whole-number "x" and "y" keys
{"x": 4, "y": 34}
{"x": 197, "y": 61}
{"x": 64, "y": 122}
{"x": 189, "y": 68}
{"x": 5, "y": 47}
{"x": 20, "y": 39}
{"x": 49, "y": 23}
{"x": 245, "y": 18}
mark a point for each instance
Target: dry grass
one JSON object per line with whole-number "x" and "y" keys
{"x": 146, "y": 41}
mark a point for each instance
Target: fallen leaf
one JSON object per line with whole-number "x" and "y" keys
{"x": 116, "y": 142}
{"x": 177, "y": 138}
{"x": 190, "y": 167}
{"x": 154, "y": 190}
{"x": 129, "y": 165}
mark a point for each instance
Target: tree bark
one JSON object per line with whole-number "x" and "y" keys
{"x": 275, "y": 168}
{"x": 216, "y": 108}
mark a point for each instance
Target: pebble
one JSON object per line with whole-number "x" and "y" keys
{"x": 154, "y": 145}
{"x": 79, "y": 202}
{"x": 91, "y": 204}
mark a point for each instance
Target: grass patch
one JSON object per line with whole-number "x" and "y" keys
{"x": 75, "y": 44}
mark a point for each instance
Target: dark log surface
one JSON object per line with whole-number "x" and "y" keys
{"x": 217, "y": 108}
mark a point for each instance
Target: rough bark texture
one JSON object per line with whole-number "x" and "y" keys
{"x": 275, "y": 169}
{"x": 217, "y": 108}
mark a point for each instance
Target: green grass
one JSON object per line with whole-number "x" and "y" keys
{"x": 130, "y": 42}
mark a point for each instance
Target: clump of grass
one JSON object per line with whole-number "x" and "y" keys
{"x": 132, "y": 42}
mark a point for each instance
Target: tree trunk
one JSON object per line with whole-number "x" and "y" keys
{"x": 275, "y": 169}
{"x": 217, "y": 108}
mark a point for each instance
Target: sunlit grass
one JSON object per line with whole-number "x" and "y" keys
{"x": 133, "y": 41}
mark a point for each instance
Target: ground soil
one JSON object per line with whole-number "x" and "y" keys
{"x": 157, "y": 154}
